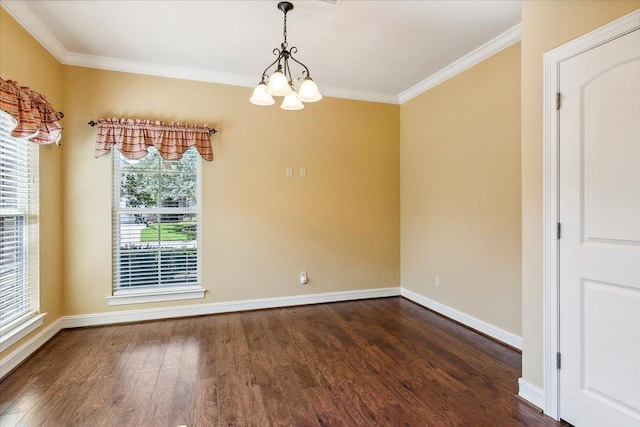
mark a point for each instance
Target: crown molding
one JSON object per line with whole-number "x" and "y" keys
{"x": 385, "y": 98}
{"x": 19, "y": 10}
{"x": 34, "y": 26}
{"x": 204, "y": 75}
{"x": 155, "y": 69}
{"x": 504, "y": 40}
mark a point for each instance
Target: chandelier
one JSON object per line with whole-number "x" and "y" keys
{"x": 281, "y": 82}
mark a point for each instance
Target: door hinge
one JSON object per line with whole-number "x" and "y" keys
{"x": 558, "y": 100}
{"x": 559, "y": 231}
{"x": 558, "y": 360}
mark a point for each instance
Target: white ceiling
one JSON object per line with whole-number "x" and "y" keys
{"x": 373, "y": 50}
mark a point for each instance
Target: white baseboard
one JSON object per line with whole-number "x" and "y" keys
{"x": 506, "y": 337}
{"x": 221, "y": 307}
{"x": 530, "y": 393}
{"x": 19, "y": 355}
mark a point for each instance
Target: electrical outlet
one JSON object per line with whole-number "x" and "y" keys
{"x": 436, "y": 282}
{"x": 303, "y": 278}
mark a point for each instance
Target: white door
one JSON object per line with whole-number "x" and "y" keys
{"x": 600, "y": 235}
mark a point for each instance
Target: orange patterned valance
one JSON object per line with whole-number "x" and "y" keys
{"x": 35, "y": 119}
{"x": 133, "y": 138}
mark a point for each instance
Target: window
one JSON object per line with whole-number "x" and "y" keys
{"x": 157, "y": 228}
{"x": 19, "y": 264}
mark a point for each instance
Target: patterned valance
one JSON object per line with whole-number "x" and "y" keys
{"x": 134, "y": 137}
{"x": 35, "y": 119}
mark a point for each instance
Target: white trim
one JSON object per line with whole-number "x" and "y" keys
{"x": 550, "y": 242}
{"x": 499, "y": 334}
{"x": 83, "y": 320}
{"x": 23, "y": 14}
{"x": 34, "y": 26}
{"x": 21, "y": 354}
{"x": 221, "y": 307}
{"x": 503, "y": 41}
{"x": 358, "y": 95}
{"x": 203, "y": 75}
{"x": 18, "y": 356}
{"x": 131, "y": 297}
{"x": 530, "y": 393}
{"x": 552, "y": 60}
{"x": 155, "y": 69}
{"x": 29, "y": 324}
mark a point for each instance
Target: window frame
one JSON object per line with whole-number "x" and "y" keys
{"x": 29, "y": 319}
{"x": 159, "y": 293}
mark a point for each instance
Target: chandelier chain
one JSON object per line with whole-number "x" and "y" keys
{"x": 284, "y": 32}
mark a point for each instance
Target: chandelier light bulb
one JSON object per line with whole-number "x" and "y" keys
{"x": 291, "y": 102}
{"x": 261, "y": 97}
{"x": 309, "y": 91}
{"x": 278, "y": 84}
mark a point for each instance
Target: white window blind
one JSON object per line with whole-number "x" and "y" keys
{"x": 156, "y": 223}
{"x": 19, "y": 257}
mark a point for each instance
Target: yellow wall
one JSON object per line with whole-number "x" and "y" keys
{"x": 460, "y": 191}
{"x": 24, "y": 60}
{"x": 545, "y": 25}
{"x": 340, "y": 223}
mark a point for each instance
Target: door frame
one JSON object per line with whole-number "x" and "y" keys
{"x": 551, "y": 194}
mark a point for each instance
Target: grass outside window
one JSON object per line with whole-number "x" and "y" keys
{"x": 171, "y": 232}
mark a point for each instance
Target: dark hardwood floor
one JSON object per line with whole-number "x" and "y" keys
{"x": 384, "y": 362}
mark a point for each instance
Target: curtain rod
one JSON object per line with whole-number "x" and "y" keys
{"x": 93, "y": 123}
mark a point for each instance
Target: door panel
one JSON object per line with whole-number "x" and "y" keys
{"x": 605, "y": 307}
{"x": 610, "y": 175}
{"x": 600, "y": 245}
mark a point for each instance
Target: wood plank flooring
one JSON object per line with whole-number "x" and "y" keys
{"x": 383, "y": 362}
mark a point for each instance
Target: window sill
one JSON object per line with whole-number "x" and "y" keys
{"x": 156, "y": 295}
{"x": 24, "y": 327}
